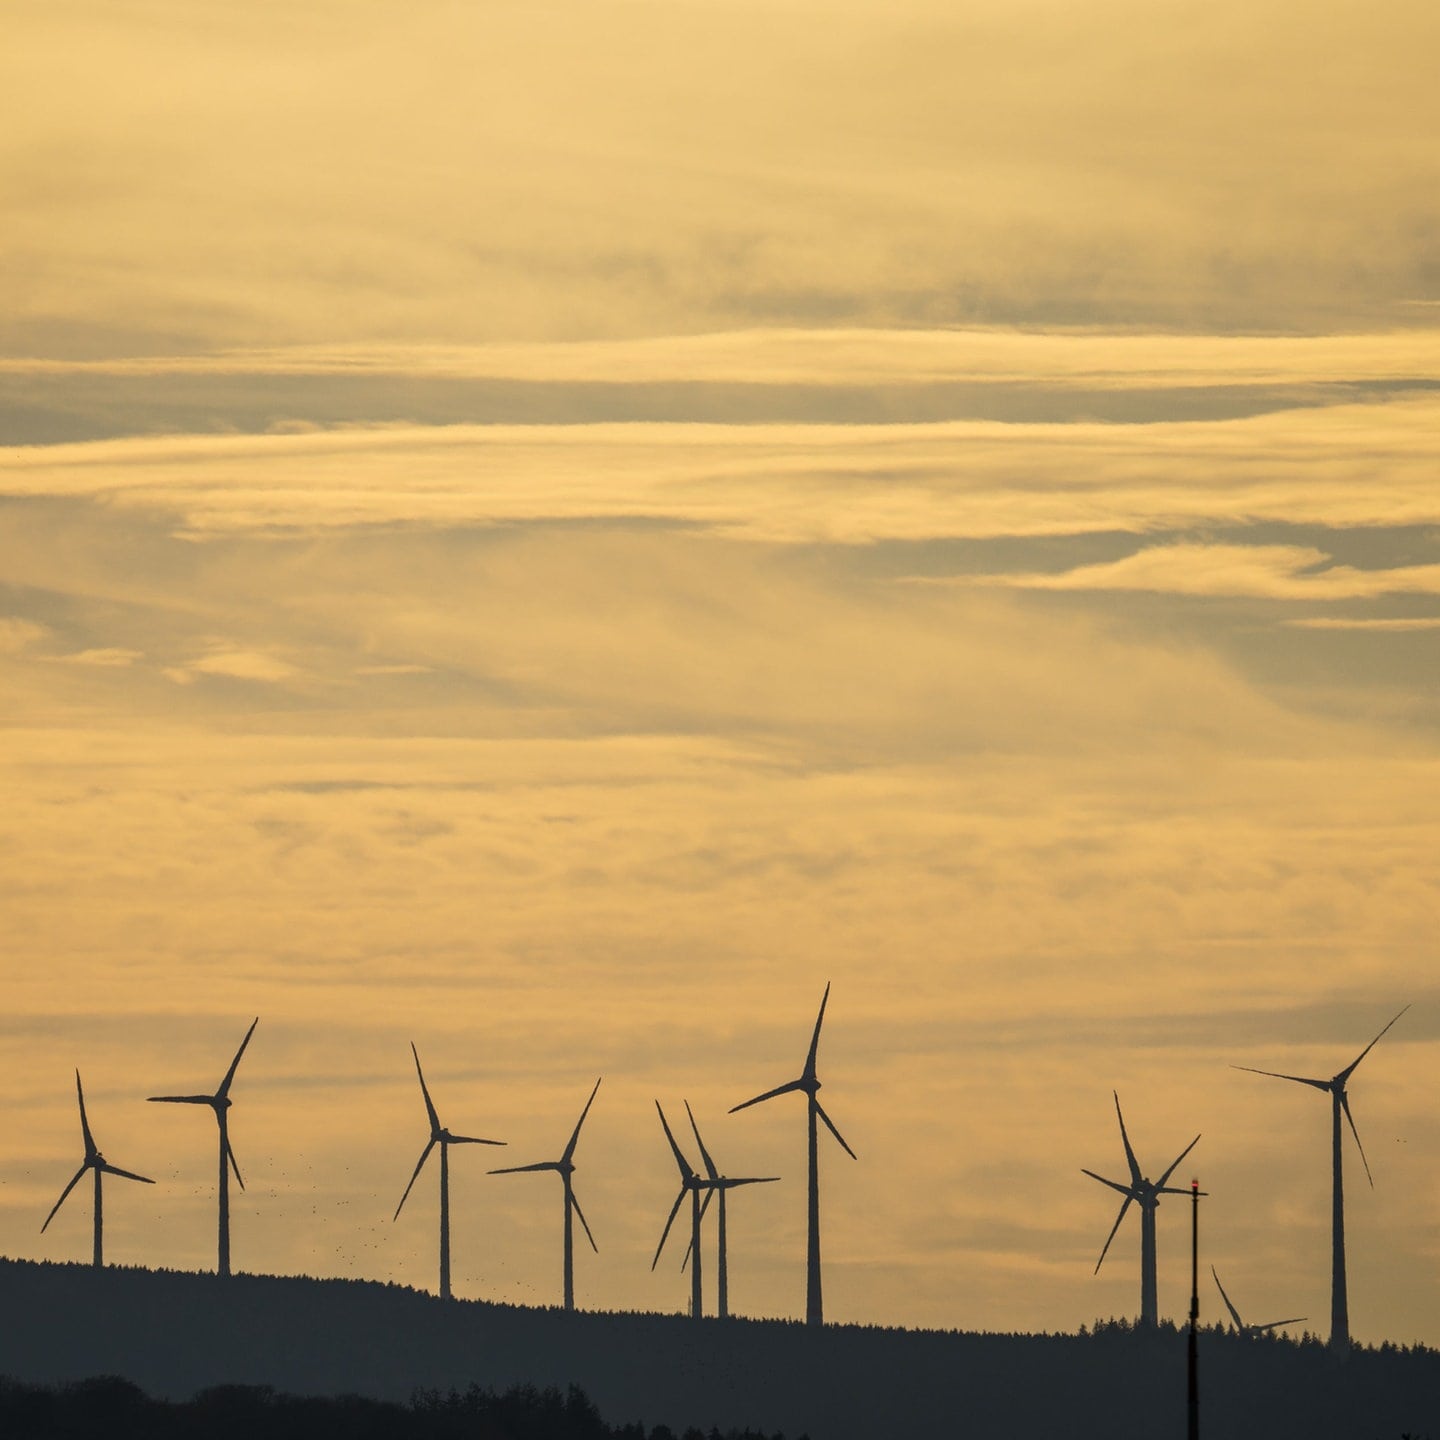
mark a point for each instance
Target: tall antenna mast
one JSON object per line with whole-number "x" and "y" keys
{"x": 1192, "y": 1430}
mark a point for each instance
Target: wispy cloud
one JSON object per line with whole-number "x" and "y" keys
{"x": 113, "y": 657}
{"x": 1352, "y": 465}
{"x": 1270, "y": 572}
{"x": 1089, "y": 358}
{"x": 1399, "y": 624}
{"x": 658, "y": 175}
{"x": 244, "y": 665}
{"x": 17, "y": 634}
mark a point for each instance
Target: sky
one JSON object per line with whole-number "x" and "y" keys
{"x": 553, "y": 531}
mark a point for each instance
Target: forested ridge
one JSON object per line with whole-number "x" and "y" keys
{"x": 177, "y": 1336}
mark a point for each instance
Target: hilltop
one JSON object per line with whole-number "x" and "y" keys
{"x": 177, "y": 1333}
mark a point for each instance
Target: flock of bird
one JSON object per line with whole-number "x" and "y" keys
{"x": 706, "y": 1186}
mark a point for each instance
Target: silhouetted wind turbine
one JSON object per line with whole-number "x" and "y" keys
{"x": 690, "y": 1184}
{"x": 1146, "y": 1193}
{"x": 219, "y": 1102}
{"x": 565, "y": 1165}
{"x": 1240, "y": 1325}
{"x": 1339, "y": 1295}
{"x": 440, "y": 1136}
{"x": 718, "y": 1184}
{"x": 809, "y": 1083}
{"x": 95, "y": 1161}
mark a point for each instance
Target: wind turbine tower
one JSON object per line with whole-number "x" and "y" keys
{"x": 809, "y": 1084}
{"x": 440, "y": 1136}
{"x": 1146, "y": 1194}
{"x": 1339, "y": 1101}
{"x": 95, "y": 1161}
{"x": 565, "y": 1166}
{"x": 219, "y": 1102}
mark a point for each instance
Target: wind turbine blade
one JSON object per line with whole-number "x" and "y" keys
{"x": 1177, "y": 1160}
{"x": 815, "y": 1038}
{"x": 1345, "y": 1106}
{"x": 665, "y": 1233}
{"x": 523, "y": 1169}
{"x": 820, "y": 1111}
{"x": 90, "y": 1146}
{"x": 1276, "y": 1075}
{"x": 1349, "y": 1070}
{"x": 710, "y": 1169}
{"x": 127, "y": 1174}
{"x": 584, "y": 1222}
{"x": 419, "y": 1166}
{"x": 770, "y": 1095}
{"x": 1276, "y": 1324}
{"x": 435, "y": 1126}
{"x": 79, "y": 1175}
{"x": 1180, "y": 1190}
{"x": 182, "y": 1099}
{"x": 474, "y": 1140}
{"x": 750, "y": 1180}
{"x": 224, "y": 1089}
{"x": 1234, "y": 1313}
{"x": 574, "y": 1139}
{"x": 686, "y": 1173}
{"x": 1135, "y": 1175}
{"x": 1125, "y": 1190}
{"x": 1125, "y": 1205}
{"x": 234, "y": 1164}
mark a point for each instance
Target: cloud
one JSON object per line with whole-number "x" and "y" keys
{"x": 1270, "y": 572}
{"x": 244, "y": 665}
{"x": 659, "y": 172}
{"x": 1399, "y": 624}
{"x": 1347, "y": 465}
{"x": 755, "y": 377}
{"x": 108, "y": 658}
{"x": 17, "y": 634}
{"x": 1082, "y": 358}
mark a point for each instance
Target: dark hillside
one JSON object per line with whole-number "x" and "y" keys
{"x": 174, "y": 1334}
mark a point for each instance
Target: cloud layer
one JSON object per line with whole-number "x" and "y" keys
{"x": 428, "y": 172}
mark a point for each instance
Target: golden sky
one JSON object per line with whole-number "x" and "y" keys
{"x": 552, "y": 531}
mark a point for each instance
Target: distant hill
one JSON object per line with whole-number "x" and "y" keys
{"x": 175, "y": 1334}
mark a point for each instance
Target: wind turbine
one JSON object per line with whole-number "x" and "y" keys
{"x": 1240, "y": 1325}
{"x": 219, "y": 1102}
{"x": 1146, "y": 1193}
{"x": 565, "y": 1165}
{"x": 440, "y": 1136}
{"x": 808, "y": 1084}
{"x": 1339, "y": 1100}
{"x": 95, "y": 1161}
{"x": 690, "y": 1184}
{"x": 718, "y": 1184}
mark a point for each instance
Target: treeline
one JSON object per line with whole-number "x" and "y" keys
{"x": 111, "y": 1408}
{"x": 1306, "y": 1340}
